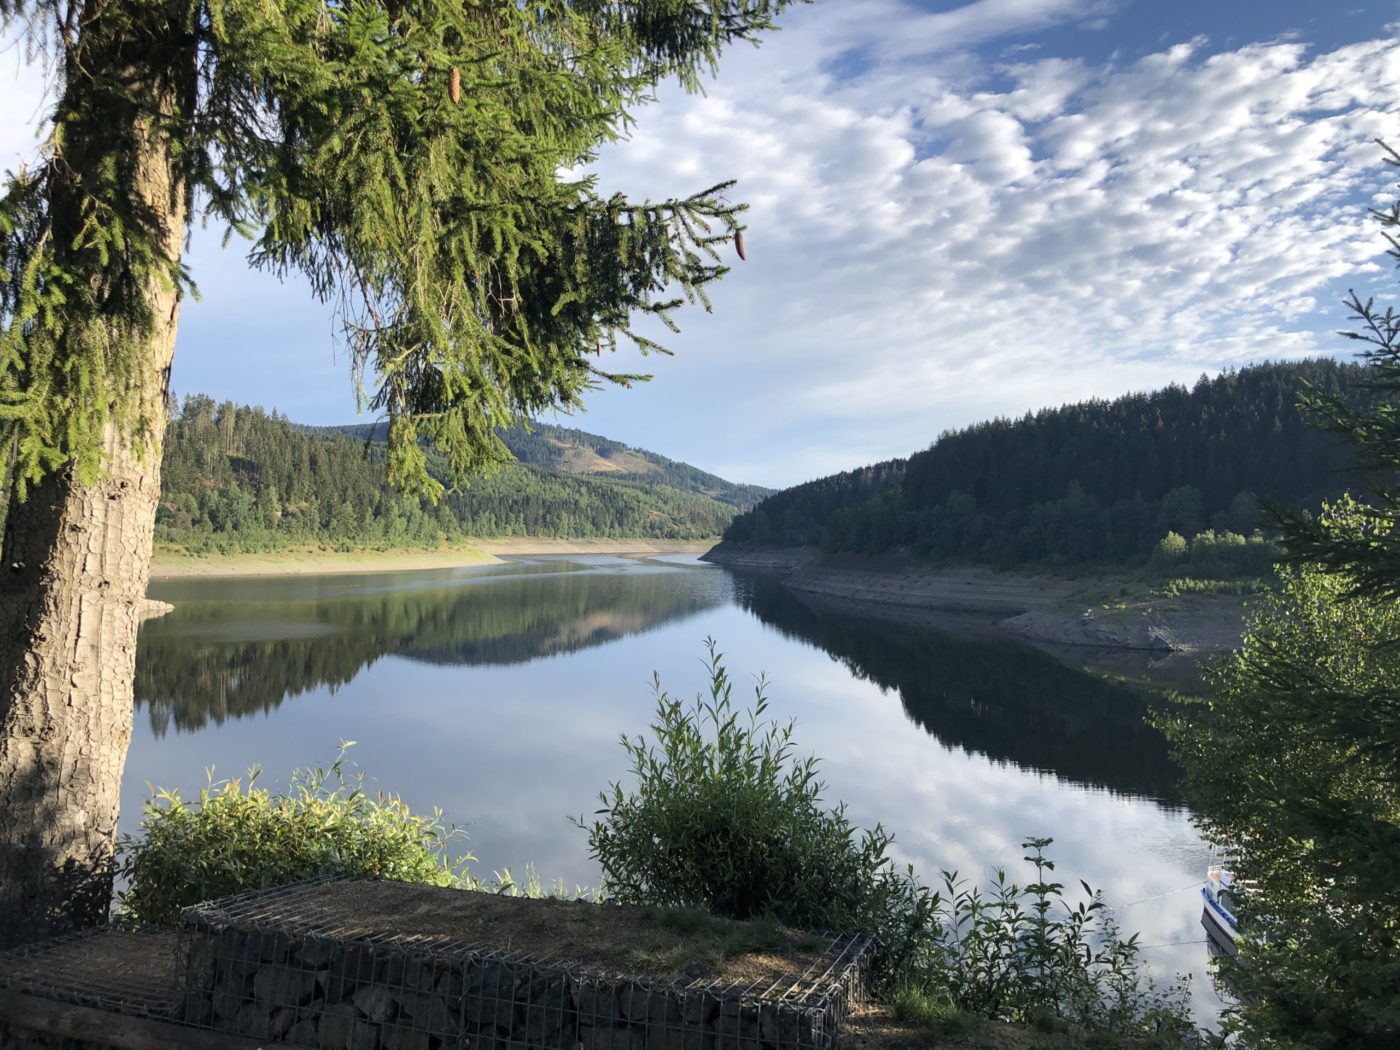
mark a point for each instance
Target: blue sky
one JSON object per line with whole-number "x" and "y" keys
{"x": 958, "y": 210}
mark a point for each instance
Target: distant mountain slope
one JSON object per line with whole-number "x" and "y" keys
{"x": 565, "y": 450}
{"x": 1090, "y": 482}
{"x": 236, "y": 478}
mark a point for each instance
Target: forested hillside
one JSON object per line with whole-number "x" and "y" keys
{"x": 238, "y": 478}
{"x": 564, "y": 450}
{"x": 1099, "y": 481}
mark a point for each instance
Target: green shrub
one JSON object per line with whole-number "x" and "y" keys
{"x": 235, "y": 838}
{"x": 1029, "y": 954}
{"x": 725, "y": 817}
{"x": 1182, "y": 585}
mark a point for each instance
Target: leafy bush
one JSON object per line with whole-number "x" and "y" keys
{"x": 725, "y": 817}
{"x": 1292, "y": 766}
{"x": 1029, "y": 954}
{"x": 1181, "y": 585}
{"x": 234, "y": 838}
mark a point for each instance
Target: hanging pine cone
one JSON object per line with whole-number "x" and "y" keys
{"x": 739, "y": 245}
{"x": 454, "y": 85}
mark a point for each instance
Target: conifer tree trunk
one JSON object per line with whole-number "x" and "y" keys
{"x": 76, "y": 559}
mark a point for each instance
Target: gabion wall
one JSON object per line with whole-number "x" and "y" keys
{"x": 378, "y": 992}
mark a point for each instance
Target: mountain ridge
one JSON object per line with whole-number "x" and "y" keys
{"x": 238, "y": 479}
{"x": 568, "y": 450}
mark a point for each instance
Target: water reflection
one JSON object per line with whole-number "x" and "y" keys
{"x": 980, "y": 691}
{"x": 491, "y": 693}
{"x": 260, "y": 642}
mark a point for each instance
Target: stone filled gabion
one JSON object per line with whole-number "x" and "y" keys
{"x": 380, "y": 993}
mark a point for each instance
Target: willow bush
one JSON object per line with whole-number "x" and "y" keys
{"x": 236, "y": 837}
{"x": 724, "y": 815}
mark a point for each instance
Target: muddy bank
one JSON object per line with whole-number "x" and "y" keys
{"x": 761, "y": 559}
{"x": 1045, "y": 609}
{"x": 1199, "y": 626}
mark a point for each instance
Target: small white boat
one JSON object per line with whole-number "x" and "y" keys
{"x": 1219, "y": 917}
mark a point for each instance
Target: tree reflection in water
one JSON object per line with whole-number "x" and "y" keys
{"x": 985, "y": 693}
{"x": 259, "y": 645}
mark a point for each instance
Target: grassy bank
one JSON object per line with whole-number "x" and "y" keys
{"x": 176, "y": 562}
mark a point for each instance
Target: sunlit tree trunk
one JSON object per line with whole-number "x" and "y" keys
{"x": 76, "y": 559}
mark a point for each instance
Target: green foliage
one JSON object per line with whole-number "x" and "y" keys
{"x": 236, "y": 837}
{"x": 1170, "y": 548}
{"x": 1183, "y": 585}
{"x": 1215, "y": 557}
{"x": 1364, "y": 545}
{"x": 405, "y": 157}
{"x": 937, "y": 1014}
{"x": 724, "y": 816}
{"x": 567, "y": 450}
{"x": 1030, "y": 954}
{"x": 1097, "y": 482}
{"x": 1292, "y": 763}
{"x": 236, "y": 479}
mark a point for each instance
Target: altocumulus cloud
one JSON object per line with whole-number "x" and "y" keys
{"x": 948, "y": 221}
{"x": 937, "y": 237}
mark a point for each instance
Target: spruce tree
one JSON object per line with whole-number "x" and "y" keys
{"x": 406, "y": 157}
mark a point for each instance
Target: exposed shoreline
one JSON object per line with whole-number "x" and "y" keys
{"x": 309, "y": 561}
{"x": 1043, "y": 608}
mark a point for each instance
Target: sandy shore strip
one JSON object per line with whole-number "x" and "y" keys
{"x": 315, "y": 561}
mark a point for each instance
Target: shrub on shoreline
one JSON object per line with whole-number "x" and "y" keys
{"x": 234, "y": 838}
{"x": 722, "y": 814}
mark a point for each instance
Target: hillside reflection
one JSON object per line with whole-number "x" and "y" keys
{"x": 986, "y": 694}
{"x": 263, "y": 642}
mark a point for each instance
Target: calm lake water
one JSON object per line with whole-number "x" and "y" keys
{"x": 498, "y": 693}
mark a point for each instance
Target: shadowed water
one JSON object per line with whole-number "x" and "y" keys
{"x": 499, "y": 693}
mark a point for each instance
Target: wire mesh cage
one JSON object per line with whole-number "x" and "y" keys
{"x": 351, "y": 964}
{"x": 126, "y": 969}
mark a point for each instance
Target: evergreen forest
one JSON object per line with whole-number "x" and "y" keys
{"x": 236, "y": 478}
{"x": 566, "y": 450}
{"x": 1175, "y": 476}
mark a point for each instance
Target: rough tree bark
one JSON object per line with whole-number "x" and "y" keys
{"x": 76, "y": 559}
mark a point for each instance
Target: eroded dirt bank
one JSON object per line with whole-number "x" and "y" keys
{"x": 1048, "y": 609}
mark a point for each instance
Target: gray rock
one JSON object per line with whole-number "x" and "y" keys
{"x": 784, "y": 1027}
{"x": 396, "y": 1037}
{"x": 274, "y": 947}
{"x": 341, "y": 1028}
{"x": 303, "y": 1033}
{"x": 316, "y": 952}
{"x": 227, "y": 1004}
{"x": 597, "y": 1002}
{"x": 664, "y": 1010}
{"x": 277, "y": 985}
{"x": 376, "y": 1002}
{"x": 699, "y": 1008}
{"x": 592, "y": 1037}
{"x": 432, "y": 1012}
{"x": 684, "y": 1039}
{"x": 737, "y": 1027}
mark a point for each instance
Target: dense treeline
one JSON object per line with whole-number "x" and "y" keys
{"x": 238, "y": 478}
{"x": 564, "y": 450}
{"x": 1099, "y": 481}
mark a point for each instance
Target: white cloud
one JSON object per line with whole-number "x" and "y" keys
{"x": 936, "y": 237}
{"x": 930, "y": 246}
